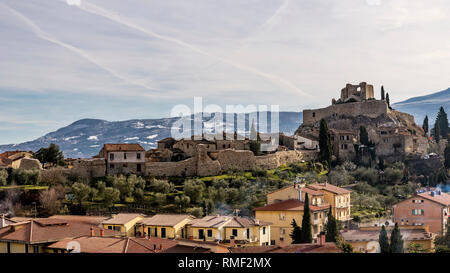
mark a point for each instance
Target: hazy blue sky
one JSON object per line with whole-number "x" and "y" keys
{"x": 117, "y": 60}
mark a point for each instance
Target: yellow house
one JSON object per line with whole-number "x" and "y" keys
{"x": 337, "y": 197}
{"x": 282, "y": 213}
{"x": 124, "y": 223}
{"x": 242, "y": 232}
{"x": 208, "y": 228}
{"x": 319, "y": 194}
{"x": 365, "y": 239}
{"x": 171, "y": 226}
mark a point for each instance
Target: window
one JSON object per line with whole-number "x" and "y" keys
{"x": 210, "y": 233}
{"x": 264, "y": 230}
{"x": 124, "y": 155}
{"x": 111, "y": 166}
{"x": 149, "y": 231}
{"x": 248, "y": 233}
{"x": 26, "y": 248}
{"x": 272, "y": 242}
{"x": 110, "y": 227}
{"x": 201, "y": 234}
{"x": 282, "y": 216}
{"x": 234, "y": 232}
{"x": 36, "y": 248}
{"x": 139, "y": 168}
{"x": 111, "y": 156}
{"x": 163, "y": 232}
{"x": 8, "y": 247}
{"x": 138, "y": 155}
{"x": 156, "y": 232}
{"x": 314, "y": 114}
{"x": 418, "y": 211}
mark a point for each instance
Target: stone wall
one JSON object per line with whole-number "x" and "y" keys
{"x": 203, "y": 165}
{"x": 90, "y": 167}
{"x": 370, "y": 108}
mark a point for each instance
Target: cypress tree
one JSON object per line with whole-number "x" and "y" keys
{"x": 306, "y": 223}
{"x": 396, "y": 240}
{"x": 382, "y": 93}
{"x": 425, "y": 124}
{"x": 437, "y": 131}
{"x": 324, "y": 143}
{"x": 383, "y": 241}
{"x": 443, "y": 123}
{"x": 388, "y": 100}
{"x": 364, "y": 136}
{"x": 332, "y": 228}
{"x": 447, "y": 156}
{"x": 296, "y": 234}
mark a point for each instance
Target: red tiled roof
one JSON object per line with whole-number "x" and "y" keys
{"x": 123, "y": 147}
{"x": 298, "y": 248}
{"x": 443, "y": 198}
{"x": 48, "y": 230}
{"x": 328, "y": 187}
{"x": 291, "y": 204}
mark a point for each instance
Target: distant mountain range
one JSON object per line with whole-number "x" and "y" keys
{"x": 84, "y": 138}
{"x": 425, "y": 105}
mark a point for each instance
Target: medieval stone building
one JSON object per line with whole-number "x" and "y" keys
{"x": 394, "y": 134}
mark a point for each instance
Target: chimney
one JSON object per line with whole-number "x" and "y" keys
{"x": 281, "y": 242}
{"x": 300, "y": 194}
{"x": 3, "y": 220}
{"x": 92, "y": 232}
{"x": 232, "y": 244}
{"x": 321, "y": 239}
{"x": 102, "y": 233}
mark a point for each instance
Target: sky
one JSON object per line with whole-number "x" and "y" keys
{"x": 64, "y": 60}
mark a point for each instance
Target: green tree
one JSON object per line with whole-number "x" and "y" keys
{"x": 332, "y": 227}
{"x": 443, "y": 123}
{"x": 364, "y": 136}
{"x": 447, "y": 156}
{"x": 437, "y": 131}
{"x": 81, "y": 192}
{"x": 52, "y": 155}
{"x": 425, "y": 125}
{"x": 382, "y": 93}
{"x": 325, "y": 152}
{"x": 110, "y": 196}
{"x": 125, "y": 186}
{"x": 443, "y": 240}
{"x": 194, "y": 189}
{"x": 255, "y": 147}
{"x": 383, "y": 240}
{"x": 388, "y": 101}
{"x": 3, "y": 177}
{"x": 306, "y": 222}
{"x": 396, "y": 244}
{"x": 296, "y": 234}
{"x": 416, "y": 248}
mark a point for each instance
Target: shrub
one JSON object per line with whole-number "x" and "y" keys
{"x": 196, "y": 211}
{"x": 3, "y": 177}
{"x": 259, "y": 172}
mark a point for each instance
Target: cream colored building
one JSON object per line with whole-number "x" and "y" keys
{"x": 124, "y": 223}
{"x": 171, "y": 226}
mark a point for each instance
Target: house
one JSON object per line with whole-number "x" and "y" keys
{"x": 307, "y": 142}
{"x": 337, "y": 197}
{"x": 282, "y": 213}
{"x": 123, "y": 158}
{"x": 125, "y": 223}
{"x": 342, "y": 143}
{"x": 365, "y": 239}
{"x": 429, "y": 208}
{"x": 320, "y": 247}
{"x": 33, "y": 236}
{"x": 319, "y": 194}
{"x": 209, "y": 228}
{"x": 170, "y": 226}
{"x": 243, "y": 232}
{"x": 102, "y": 244}
{"x": 188, "y": 245}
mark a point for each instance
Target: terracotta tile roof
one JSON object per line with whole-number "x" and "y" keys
{"x": 165, "y": 219}
{"x": 328, "y": 187}
{"x": 98, "y": 244}
{"x": 122, "y": 218}
{"x": 312, "y": 191}
{"x": 122, "y": 147}
{"x": 244, "y": 222}
{"x": 5, "y": 162}
{"x": 373, "y": 235}
{"x": 94, "y": 220}
{"x": 291, "y": 204}
{"x": 443, "y": 198}
{"x": 210, "y": 221}
{"x": 48, "y": 230}
{"x": 299, "y": 248}
{"x": 187, "y": 249}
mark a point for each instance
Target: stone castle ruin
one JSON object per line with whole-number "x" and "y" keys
{"x": 395, "y": 134}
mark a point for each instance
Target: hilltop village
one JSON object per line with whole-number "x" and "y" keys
{"x": 382, "y": 178}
